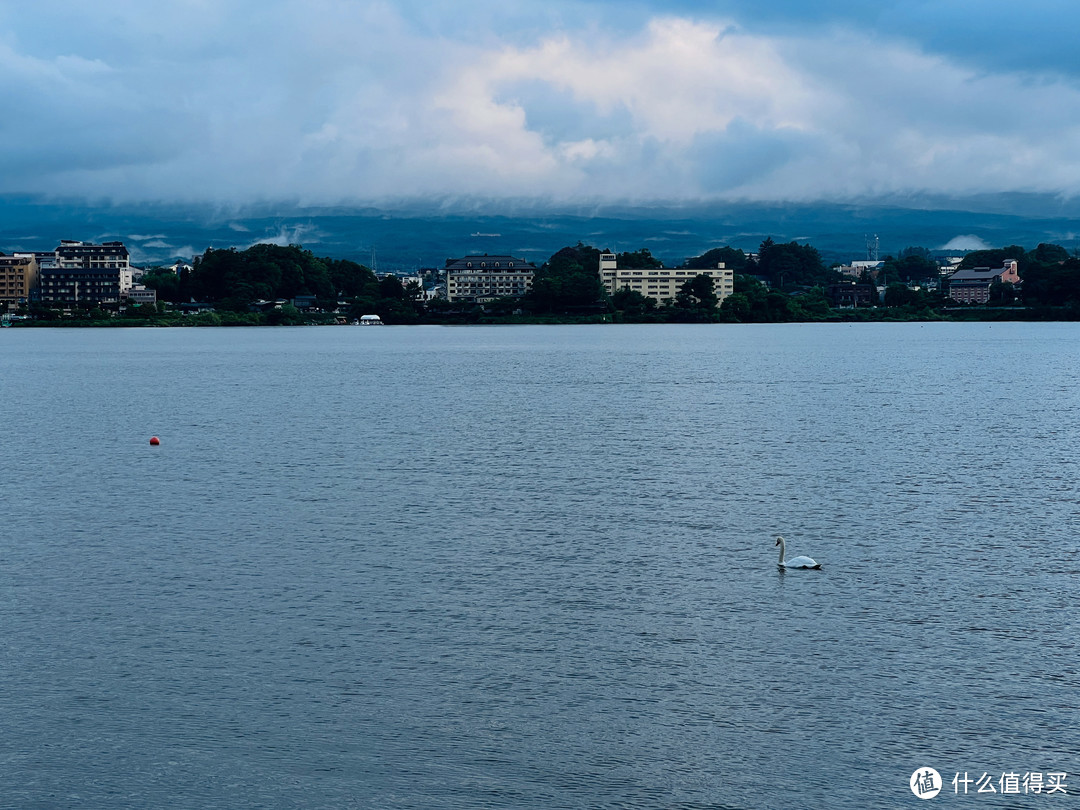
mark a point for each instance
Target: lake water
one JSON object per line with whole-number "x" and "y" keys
{"x": 533, "y": 567}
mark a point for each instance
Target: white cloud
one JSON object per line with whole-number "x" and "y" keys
{"x": 288, "y": 235}
{"x": 965, "y": 242}
{"x": 326, "y": 100}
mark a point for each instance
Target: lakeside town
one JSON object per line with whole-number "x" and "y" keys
{"x": 83, "y": 283}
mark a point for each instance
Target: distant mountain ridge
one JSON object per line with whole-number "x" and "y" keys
{"x": 403, "y": 236}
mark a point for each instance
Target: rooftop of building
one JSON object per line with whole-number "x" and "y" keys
{"x": 490, "y": 261}
{"x": 980, "y": 273}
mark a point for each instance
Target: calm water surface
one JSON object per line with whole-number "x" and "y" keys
{"x": 534, "y": 567}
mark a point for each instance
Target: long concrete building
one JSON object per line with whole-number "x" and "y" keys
{"x": 661, "y": 283}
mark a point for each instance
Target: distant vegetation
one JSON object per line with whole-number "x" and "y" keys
{"x": 781, "y": 283}
{"x": 569, "y": 282}
{"x": 790, "y": 282}
{"x": 233, "y": 281}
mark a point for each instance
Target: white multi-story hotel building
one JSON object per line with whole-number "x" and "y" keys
{"x": 485, "y": 278}
{"x": 661, "y": 283}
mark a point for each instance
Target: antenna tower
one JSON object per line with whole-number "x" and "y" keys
{"x": 873, "y": 247}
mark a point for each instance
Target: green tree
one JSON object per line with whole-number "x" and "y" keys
{"x": 697, "y": 293}
{"x": 737, "y": 307}
{"x": 568, "y": 280}
{"x": 792, "y": 264}
{"x": 916, "y": 252}
{"x": 780, "y": 308}
{"x": 1048, "y": 254}
{"x": 43, "y": 312}
{"x": 262, "y": 272}
{"x": 350, "y": 279}
{"x": 732, "y": 259}
{"x": 1052, "y": 284}
{"x": 165, "y": 281}
{"x": 913, "y": 264}
{"x": 397, "y": 311}
{"x": 633, "y": 305}
{"x": 1002, "y": 293}
{"x": 815, "y": 303}
{"x": 141, "y": 311}
{"x": 638, "y": 259}
{"x": 753, "y": 302}
{"x": 392, "y": 288}
{"x": 206, "y": 319}
{"x": 1048, "y": 279}
{"x": 285, "y": 315}
{"x": 898, "y": 295}
{"x": 995, "y": 257}
{"x": 503, "y": 306}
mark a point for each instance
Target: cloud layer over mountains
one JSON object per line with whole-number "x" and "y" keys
{"x": 327, "y": 101}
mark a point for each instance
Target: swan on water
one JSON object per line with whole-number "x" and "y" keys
{"x": 794, "y": 562}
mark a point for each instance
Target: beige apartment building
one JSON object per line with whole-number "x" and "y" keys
{"x": 661, "y": 283}
{"x": 18, "y": 276}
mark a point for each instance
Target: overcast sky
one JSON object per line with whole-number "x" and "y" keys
{"x": 327, "y": 101}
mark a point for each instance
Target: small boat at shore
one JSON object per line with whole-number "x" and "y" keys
{"x": 369, "y": 320}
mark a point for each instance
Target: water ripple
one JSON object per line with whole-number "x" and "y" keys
{"x": 533, "y": 568}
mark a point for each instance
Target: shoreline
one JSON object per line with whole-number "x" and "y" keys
{"x": 951, "y": 315}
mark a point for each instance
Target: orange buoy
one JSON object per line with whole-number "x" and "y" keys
{"x": 154, "y": 440}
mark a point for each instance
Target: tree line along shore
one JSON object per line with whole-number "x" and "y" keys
{"x": 781, "y": 282}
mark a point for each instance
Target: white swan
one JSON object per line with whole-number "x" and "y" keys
{"x": 794, "y": 562}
